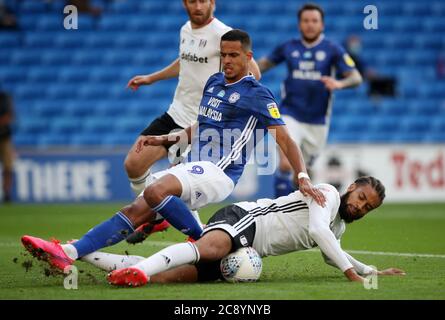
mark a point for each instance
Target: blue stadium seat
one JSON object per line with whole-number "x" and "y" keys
{"x": 48, "y": 109}
{"x": 51, "y": 140}
{"x": 65, "y": 125}
{"x": 100, "y": 40}
{"x": 39, "y": 39}
{"x": 22, "y": 139}
{"x": 113, "y": 22}
{"x": 42, "y": 74}
{"x": 98, "y": 125}
{"x": 86, "y": 139}
{"x": 10, "y": 39}
{"x": 25, "y": 57}
{"x": 416, "y": 125}
{"x": 119, "y": 139}
{"x": 32, "y": 126}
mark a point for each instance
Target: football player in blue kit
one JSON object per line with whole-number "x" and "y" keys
{"x": 233, "y": 106}
{"x": 312, "y": 62}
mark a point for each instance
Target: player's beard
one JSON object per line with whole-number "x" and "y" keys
{"x": 311, "y": 39}
{"x": 202, "y": 19}
{"x": 343, "y": 209}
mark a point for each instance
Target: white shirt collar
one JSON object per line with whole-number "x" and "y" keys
{"x": 313, "y": 44}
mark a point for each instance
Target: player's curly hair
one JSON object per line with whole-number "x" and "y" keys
{"x": 375, "y": 183}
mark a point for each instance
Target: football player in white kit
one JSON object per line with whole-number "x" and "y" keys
{"x": 272, "y": 227}
{"x": 199, "y": 58}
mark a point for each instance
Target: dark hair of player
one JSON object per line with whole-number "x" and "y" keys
{"x": 376, "y": 184}
{"x": 238, "y": 35}
{"x": 310, "y": 6}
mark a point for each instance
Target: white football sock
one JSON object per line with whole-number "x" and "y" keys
{"x": 168, "y": 258}
{"x": 70, "y": 251}
{"x": 138, "y": 184}
{"x": 109, "y": 261}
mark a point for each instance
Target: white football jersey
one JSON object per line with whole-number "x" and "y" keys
{"x": 199, "y": 58}
{"x": 282, "y": 224}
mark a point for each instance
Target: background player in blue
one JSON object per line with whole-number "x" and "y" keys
{"x": 312, "y": 63}
{"x": 231, "y": 100}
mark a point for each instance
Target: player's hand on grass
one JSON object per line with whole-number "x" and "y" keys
{"x": 391, "y": 272}
{"x": 352, "y": 275}
{"x": 140, "y": 80}
{"x": 307, "y": 189}
{"x": 331, "y": 83}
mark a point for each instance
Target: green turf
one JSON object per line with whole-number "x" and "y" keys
{"x": 407, "y": 228}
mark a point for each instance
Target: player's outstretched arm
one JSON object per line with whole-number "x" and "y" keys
{"x": 294, "y": 155}
{"x": 171, "y": 71}
{"x": 352, "y": 79}
{"x": 255, "y": 69}
{"x": 391, "y": 272}
{"x": 265, "y": 64}
{"x": 183, "y": 136}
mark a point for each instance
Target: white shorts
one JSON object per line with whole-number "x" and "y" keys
{"x": 202, "y": 183}
{"x": 310, "y": 138}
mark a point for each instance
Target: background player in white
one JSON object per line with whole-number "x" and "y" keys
{"x": 312, "y": 63}
{"x": 198, "y": 59}
{"x": 272, "y": 227}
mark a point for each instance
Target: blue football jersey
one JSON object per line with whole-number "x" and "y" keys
{"x": 229, "y": 116}
{"x": 304, "y": 96}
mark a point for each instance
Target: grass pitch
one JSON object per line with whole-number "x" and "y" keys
{"x": 394, "y": 229}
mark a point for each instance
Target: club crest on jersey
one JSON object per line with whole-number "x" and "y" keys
{"x": 221, "y": 93}
{"x": 234, "y": 97}
{"x": 273, "y": 110}
{"x": 295, "y": 54}
{"x": 320, "y": 55}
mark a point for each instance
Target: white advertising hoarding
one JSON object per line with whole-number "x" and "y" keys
{"x": 409, "y": 172}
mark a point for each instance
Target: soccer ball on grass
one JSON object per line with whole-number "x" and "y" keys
{"x": 243, "y": 265}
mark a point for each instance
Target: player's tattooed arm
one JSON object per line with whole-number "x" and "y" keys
{"x": 171, "y": 71}
{"x": 351, "y": 79}
{"x": 265, "y": 64}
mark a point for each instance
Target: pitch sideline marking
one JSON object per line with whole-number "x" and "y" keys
{"x": 376, "y": 253}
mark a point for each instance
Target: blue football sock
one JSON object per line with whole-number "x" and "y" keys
{"x": 283, "y": 183}
{"x": 106, "y": 234}
{"x": 174, "y": 210}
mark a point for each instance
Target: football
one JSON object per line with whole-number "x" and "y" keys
{"x": 243, "y": 265}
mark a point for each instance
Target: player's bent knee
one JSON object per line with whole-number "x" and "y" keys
{"x": 154, "y": 194}
{"x": 133, "y": 166}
